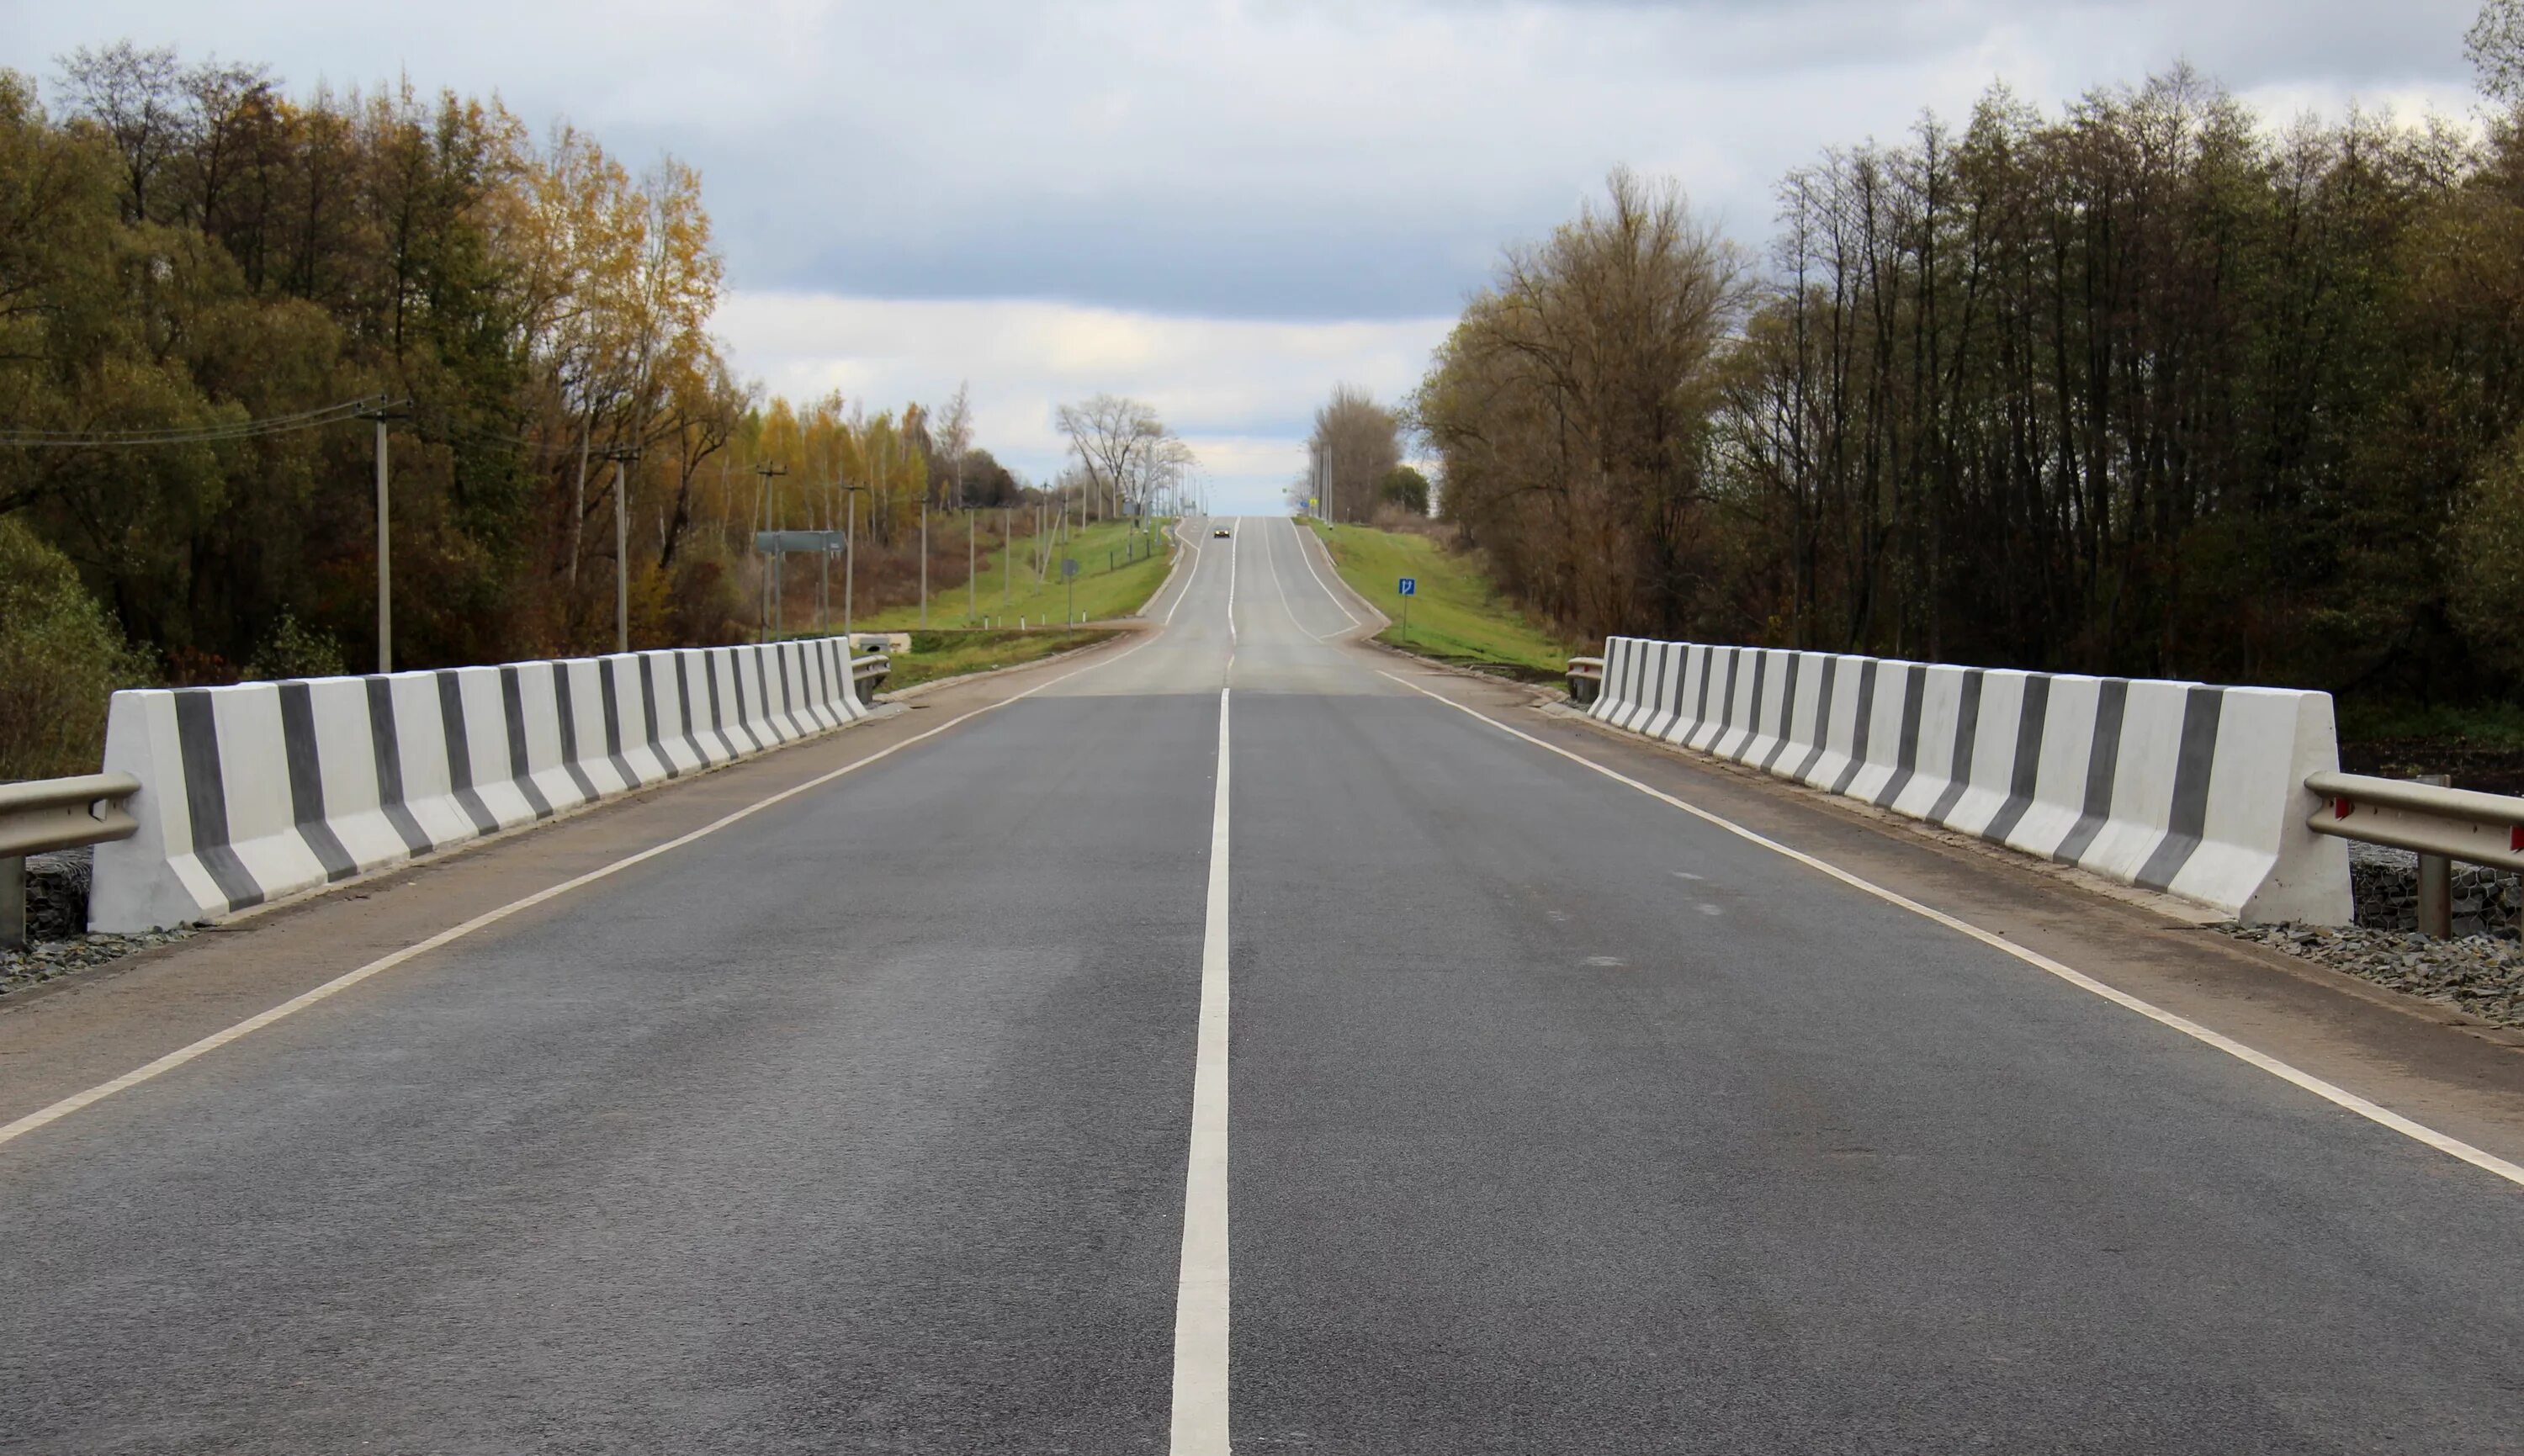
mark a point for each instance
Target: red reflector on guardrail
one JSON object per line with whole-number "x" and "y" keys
{"x": 2515, "y": 839}
{"x": 2340, "y": 808}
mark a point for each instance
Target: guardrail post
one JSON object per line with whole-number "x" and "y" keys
{"x": 2436, "y": 896}
{"x": 2436, "y": 881}
{"x": 13, "y": 902}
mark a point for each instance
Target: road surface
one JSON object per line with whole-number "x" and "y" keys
{"x": 1425, "y": 1091}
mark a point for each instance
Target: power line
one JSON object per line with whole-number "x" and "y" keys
{"x": 243, "y": 429}
{"x": 432, "y": 421}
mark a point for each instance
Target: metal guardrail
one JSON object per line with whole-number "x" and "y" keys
{"x": 2428, "y": 818}
{"x": 1586, "y": 680}
{"x": 47, "y": 814}
{"x": 871, "y": 671}
{"x": 2438, "y": 823}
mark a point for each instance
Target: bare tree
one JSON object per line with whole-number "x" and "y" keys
{"x": 1357, "y": 442}
{"x": 1570, "y": 407}
{"x": 1121, "y": 442}
{"x": 950, "y": 436}
{"x": 138, "y": 97}
{"x": 2496, "y": 45}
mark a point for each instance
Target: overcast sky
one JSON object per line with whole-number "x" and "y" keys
{"x": 1225, "y": 208}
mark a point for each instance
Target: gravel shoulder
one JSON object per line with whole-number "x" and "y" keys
{"x": 58, "y": 941}
{"x": 2482, "y": 976}
{"x": 42, "y": 960}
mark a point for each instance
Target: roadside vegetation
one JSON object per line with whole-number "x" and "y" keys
{"x": 2150, "y": 383}
{"x": 952, "y": 653}
{"x": 1118, "y": 567}
{"x": 217, "y": 280}
{"x": 60, "y": 660}
{"x": 1457, "y": 614}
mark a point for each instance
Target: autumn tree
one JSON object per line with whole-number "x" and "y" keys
{"x": 185, "y": 248}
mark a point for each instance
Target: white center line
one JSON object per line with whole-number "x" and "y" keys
{"x": 1233, "y": 545}
{"x": 2333, "y": 1093}
{"x": 10, "y": 1132}
{"x": 1200, "y": 1296}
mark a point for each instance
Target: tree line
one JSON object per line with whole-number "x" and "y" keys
{"x": 2152, "y": 385}
{"x": 211, "y": 287}
{"x": 187, "y": 248}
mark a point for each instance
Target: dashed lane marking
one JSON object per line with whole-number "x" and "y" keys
{"x": 1200, "y": 1294}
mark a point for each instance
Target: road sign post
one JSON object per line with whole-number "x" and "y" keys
{"x": 1409, "y": 588}
{"x": 1069, "y": 577}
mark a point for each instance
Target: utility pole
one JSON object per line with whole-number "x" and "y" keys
{"x": 386, "y": 410}
{"x": 972, "y": 583}
{"x": 849, "y": 555}
{"x": 1008, "y": 559}
{"x": 622, "y": 459}
{"x": 924, "y": 560}
{"x": 778, "y": 560}
{"x": 385, "y": 560}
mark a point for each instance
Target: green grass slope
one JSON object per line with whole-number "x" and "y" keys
{"x": 1108, "y": 585}
{"x": 1457, "y": 615}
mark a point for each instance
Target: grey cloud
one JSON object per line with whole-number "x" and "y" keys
{"x": 1274, "y": 159}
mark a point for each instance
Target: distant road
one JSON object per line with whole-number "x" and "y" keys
{"x": 1477, "y": 1101}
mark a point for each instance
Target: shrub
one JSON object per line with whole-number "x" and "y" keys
{"x": 61, "y": 658}
{"x": 1406, "y": 488}
{"x": 2489, "y": 561}
{"x": 293, "y": 650}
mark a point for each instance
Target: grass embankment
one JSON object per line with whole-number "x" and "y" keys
{"x": 952, "y": 653}
{"x": 1118, "y": 570}
{"x": 1457, "y": 614}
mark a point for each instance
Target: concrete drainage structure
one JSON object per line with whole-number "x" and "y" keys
{"x": 259, "y": 791}
{"x": 2193, "y": 790}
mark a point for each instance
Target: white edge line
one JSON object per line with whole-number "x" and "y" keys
{"x": 1235, "y": 548}
{"x": 2337, "y": 1095}
{"x": 44, "y": 1116}
{"x": 1200, "y": 1394}
{"x": 1271, "y": 561}
{"x": 1319, "y": 581}
{"x": 1283, "y": 595}
{"x": 1169, "y": 620}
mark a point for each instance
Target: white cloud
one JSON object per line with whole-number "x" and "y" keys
{"x": 1279, "y": 158}
{"x": 1239, "y": 391}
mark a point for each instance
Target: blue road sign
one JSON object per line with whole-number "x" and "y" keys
{"x": 1069, "y": 566}
{"x": 1411, "y": 586}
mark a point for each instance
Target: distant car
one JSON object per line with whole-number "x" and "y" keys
{"x": 1221, "y": 531}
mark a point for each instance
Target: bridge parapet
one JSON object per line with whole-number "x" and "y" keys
{"x": 258, "y": 790}
{"x": 2191, "y": 789}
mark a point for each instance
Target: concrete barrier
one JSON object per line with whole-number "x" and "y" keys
{"x": 261, "y": 790}
{"x": 2194, "y": 790}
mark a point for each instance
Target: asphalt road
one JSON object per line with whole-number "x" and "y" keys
{"x": 1561, "y": 1122}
